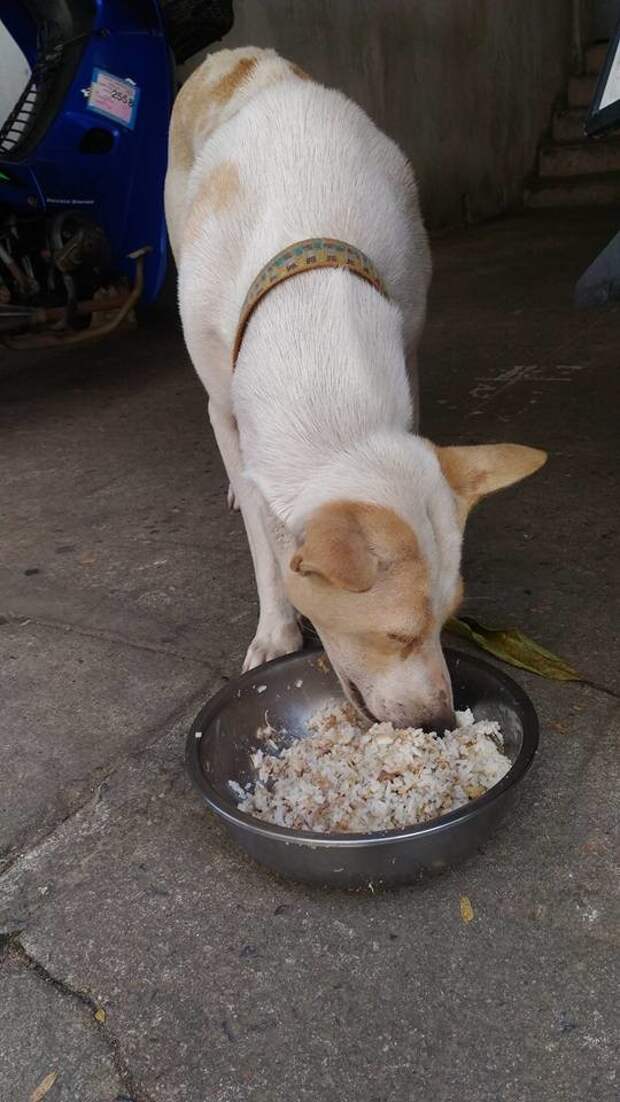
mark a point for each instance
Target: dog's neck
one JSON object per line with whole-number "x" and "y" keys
{"x": 322, "y": 398}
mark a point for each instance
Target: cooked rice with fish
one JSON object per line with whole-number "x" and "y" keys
{"x": 344, "y": 778}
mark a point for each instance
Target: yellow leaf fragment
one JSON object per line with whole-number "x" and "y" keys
{"x": 512, "y": 646}
{"x": 467, "y": 911}
{"x": 45, "y": 1086}
{"x": 100, "y": 1014}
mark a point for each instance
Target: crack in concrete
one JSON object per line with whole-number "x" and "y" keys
{"x": 18, "y": 954}
{"x": 13, "y": 859}
{"x": 104, "y": 636}
{"x": 11, "y": 945}
{"x": 470, "y": 648}
{"x": 174, "y": 717}
{"x": 113, "y": 637}
{"x": 598, "y": 688}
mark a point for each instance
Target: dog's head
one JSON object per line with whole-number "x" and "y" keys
{"x": 379, "y": 588}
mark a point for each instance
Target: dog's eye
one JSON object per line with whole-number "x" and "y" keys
{"x": 402, "y": 640}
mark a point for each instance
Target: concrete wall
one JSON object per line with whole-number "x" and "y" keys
{"x": 465, "y": 86}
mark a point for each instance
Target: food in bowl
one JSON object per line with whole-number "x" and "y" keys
{"x": 344, "y": 778}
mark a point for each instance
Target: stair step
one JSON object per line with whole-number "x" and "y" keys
{"x": 581, "y": 159}
{"x": 581, "y": 90}
{"x": 595, "y": 57}
{"x": 577, "y": 191}
{"x": 568, "y": 125}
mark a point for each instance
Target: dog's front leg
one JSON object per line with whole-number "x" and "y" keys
{"x": 277, "y": 632}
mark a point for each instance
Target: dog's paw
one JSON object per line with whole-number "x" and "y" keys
{"x": 272, "y": 641}
{"x": 231, "y": 499}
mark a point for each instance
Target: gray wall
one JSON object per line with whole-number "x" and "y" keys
{"x": 465, "y": 86}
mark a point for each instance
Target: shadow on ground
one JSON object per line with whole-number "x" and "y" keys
{"x": 144, "y": 958}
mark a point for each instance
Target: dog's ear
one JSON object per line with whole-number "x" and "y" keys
{"x": 476, "y": 471}
{"x": 336, "y": 550}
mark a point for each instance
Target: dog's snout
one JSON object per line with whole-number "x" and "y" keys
{"x": 445, "y": 719}
{"x": 357, "y": 699}
{"x": 440, "y": 723}
{"x": 424, "y": 701}
{"x": 440, "y": 715}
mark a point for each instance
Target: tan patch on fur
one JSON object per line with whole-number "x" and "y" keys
{"x": 216, "y": 193}
{"x": 196, "y": 106}
{"x": 180, "y": 154}
{"x": 380, "y": 646}
{"x": 336, "y": 549}
{"x": 190, "y": 105}
{"x": 456, "y": 471}
{"x": 298, "y": 71}
{"x": 360, "y": 570}
{"x": 474, "y": 471}
{"x": 221, "y": 186}
{"x": 227, "y": 85}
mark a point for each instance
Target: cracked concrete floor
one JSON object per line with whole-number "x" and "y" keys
{"x": 143, "y": 957}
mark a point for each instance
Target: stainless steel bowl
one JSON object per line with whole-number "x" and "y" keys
{"x": 289, "y": 691}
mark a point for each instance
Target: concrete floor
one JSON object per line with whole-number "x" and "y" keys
{"x": 127, "y": 598}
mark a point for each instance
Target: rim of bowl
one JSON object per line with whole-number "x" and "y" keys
{"x": 230, "y": 812}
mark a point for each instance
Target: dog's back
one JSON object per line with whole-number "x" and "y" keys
{"x": 351, "y": 518}
{"x": 262, "y": 156}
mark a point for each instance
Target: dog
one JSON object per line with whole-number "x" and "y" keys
{"x": 353, "y": 520}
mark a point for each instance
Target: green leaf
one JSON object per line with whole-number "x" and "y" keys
{"x": 512, "y": 646}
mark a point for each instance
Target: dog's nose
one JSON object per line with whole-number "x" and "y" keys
{"x": 441, "y": 722}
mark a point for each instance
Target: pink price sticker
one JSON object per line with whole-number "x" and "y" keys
{"x": 113, "y": 97}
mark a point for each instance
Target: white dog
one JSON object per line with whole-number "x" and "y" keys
{"x": 352, "y": 519}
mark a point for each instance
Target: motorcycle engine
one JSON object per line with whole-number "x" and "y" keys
{"x": 51, "y": 265}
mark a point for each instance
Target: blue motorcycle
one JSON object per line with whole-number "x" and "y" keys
{"x": 83, "y": 158}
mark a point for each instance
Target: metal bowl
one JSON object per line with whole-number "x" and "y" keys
{"x": 289, "y": 691}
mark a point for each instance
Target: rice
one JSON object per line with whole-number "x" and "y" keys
{"x": 344, "y": 778}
